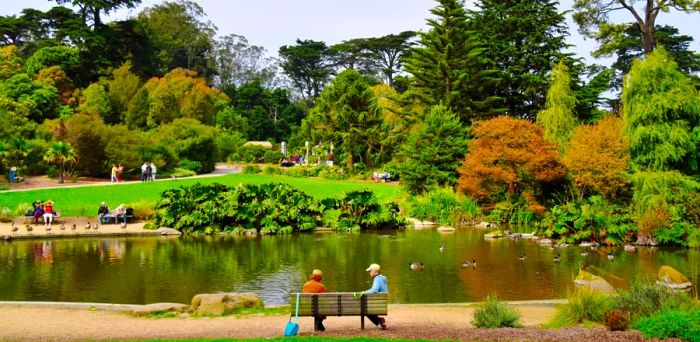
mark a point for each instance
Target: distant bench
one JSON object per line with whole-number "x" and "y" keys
{"x": 30, "y": 215}
{"x": 341, "y": 304}
{"x": 129, "y": 214}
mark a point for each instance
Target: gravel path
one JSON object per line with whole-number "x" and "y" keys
{"x": 405, "y": 321}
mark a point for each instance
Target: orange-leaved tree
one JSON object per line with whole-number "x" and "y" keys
{"x": 598, "y": 159}
{"x": 509, "y": 160}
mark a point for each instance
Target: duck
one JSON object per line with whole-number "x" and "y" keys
{"x": 29, "y": 229}
{"x": 584, "y": 253}
{"x": 466, "y": 263}
{"x": 610, "y": 256}
{"x": 74, "y": 227}
{"x": 630, "y": 248}
{"x": 88, "y": 226}
{"x": 123, "y": 225}
{"x": 48, "y": 229}
{"x": 442, "y": 247}
{"x": 522, "y": 257}
{"x": 416, "y": 266}
{"x": 556, "y": 258}
{"x": 14, "y": 228}
{"x": 62, "y": 227}
{"x": 96, "y": 226}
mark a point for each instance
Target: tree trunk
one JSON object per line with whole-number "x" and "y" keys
{"x": 62, "y": 170}
{"x": 648, "y": 33}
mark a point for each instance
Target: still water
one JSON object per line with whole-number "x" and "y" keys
{"x": 140, "y": 270}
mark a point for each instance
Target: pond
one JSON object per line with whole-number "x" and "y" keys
{"x": 140, "y": 270}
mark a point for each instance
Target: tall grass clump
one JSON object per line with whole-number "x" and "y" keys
{"x": 494, "y": 313}
{"x": 645, "y": 298}
{"x": 583, "y": 305}
{"x": 443, "y": 206}
{"x": 251, "y": 169}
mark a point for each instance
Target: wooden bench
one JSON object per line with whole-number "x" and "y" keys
{"x": 113, "y": 215}
{"x": 29, "y": 218}
{"x": 340, "y": 304}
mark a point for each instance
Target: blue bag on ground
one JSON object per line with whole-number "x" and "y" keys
{"x": 292, "y": 328}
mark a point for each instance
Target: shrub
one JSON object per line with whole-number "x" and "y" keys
{"x": 583, "y": 305}
{"x": 273, "y": 157}
{"x": 496, "y": 314}
{"x": 336, "y": 173}
{"x": 5, "y": 215}
{"x": 645, "y": 298}
{"x": 443, "y": 206}
{"x": 249, "y": 154}
{"x": 671, "y": 323}
{"x": 52, "y": 172}
{"x": 142, "y": 210}
{"x": 272, "y": 170}
{"x": 180, "y": 172}
{"x": 251, "y": 169}
{"x": 617, "y": 320}
{"x": 303, "y": 171}
{"x": 189, "y": 165}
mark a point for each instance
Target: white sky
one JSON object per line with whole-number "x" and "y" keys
{"x": 273, "y": 23}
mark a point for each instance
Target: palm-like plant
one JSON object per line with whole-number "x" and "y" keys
{"x": 60, "y": 153}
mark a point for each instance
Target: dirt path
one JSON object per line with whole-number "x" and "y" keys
{"x": 405, "y": 321}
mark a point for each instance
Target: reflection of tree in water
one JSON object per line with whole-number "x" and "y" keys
{"x": 43, "y": 253}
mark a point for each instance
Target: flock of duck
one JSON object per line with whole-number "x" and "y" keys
{"x": 416, "y": 266}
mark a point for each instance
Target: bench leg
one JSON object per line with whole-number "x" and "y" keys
{"x": 362, "y": 322}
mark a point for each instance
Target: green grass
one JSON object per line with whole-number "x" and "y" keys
{"x": 84, "y": 200}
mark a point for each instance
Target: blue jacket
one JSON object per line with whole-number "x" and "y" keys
{"x": 378, "y": 284}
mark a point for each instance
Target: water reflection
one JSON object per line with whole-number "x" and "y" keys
{"x": 155, "y": 269}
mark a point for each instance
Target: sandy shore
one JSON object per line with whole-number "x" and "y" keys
{"x": 40, "y": 231}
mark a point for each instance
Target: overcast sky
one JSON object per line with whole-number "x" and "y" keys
{"x": 273, "y": 23}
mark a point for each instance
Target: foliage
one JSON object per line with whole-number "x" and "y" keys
{"x": 521, "y": 40}
{"x": 583, "y": 305}
{"x": 617, "y": 320}
{"x": 447, "y": 64}
{"x": 662, "y": 115}
{"x": 432, "y": 154}
{"x": 508, "y": 158}
{"x": 496, "y": 314}
{"x": 442, "y": 206}
{"x": 360, "y": 210}
{"x": 592, "y": 16}
{"x": 557, "y": 117}
{"x": 683, "y": 324}
{"x": 598, "y": 160}
{"x": 251, "y": 169}
{"x": 269, "y": 208}
{"x": 249, "y": 154}
{"x": 121, "y": 88}
{"x": 306, "y": 64}
{"x": 645, "y": 298}
{"x": 238, "y": 62}
{"x": 95, "y": 103}
{"x": 189, "y": 139}
{"x": 65, "y": 57}
{"x": 591, "y": 219}
{"x": 347, "y": 115}
{"x": 60, "y": 153}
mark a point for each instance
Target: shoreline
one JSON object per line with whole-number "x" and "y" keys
{"x": 39, "y": 230}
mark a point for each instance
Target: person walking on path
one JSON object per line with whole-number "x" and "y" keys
{"x": 153, "y": 172}
{"x": 314, "y": 285}
{"x": 378, "y": 286}
{"x": 113, "y": 179}
{"x": 13, "y": 173}
{"x": 120, "y": 173}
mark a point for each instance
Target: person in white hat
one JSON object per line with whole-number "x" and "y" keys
{"x": 378, "y": 285}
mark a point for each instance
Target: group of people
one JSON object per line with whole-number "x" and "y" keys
{"x": 43, "y": 210}
{"x": 314, "y": 285}
{"x": 117, "y": 173}
{"x": 104, "y": 215}
{"x": 148, "y": 172}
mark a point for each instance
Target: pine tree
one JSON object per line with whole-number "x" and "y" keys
{"x": 447, "y": 64}
{"x": 521, "y": 38}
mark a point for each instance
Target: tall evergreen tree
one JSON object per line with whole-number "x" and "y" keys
{"x": 522, "y": 39}
{"x": 447, "y": 64}
{"x": 433, "y": 153}
{"x": 558, "y": 116}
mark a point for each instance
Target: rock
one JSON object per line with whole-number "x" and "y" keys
{"x": 217, "y": 304}
{"x": 418, "y": 224}
{"x": 668, "y": 276}
{"x": 484, "y": 224}
{"x": 494, "y": 235}
{"x": 169, "y": 231}
{"x": 445, "y": 229}
{"x": 593, "y": 282}
{"x": 145, "y": 310}
{"x": 545, "y": 242}
{"x": 646, "y": 240}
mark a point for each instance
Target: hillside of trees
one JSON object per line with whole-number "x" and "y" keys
{"x": 486, "y": 102}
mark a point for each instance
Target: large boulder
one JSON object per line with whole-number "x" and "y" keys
{"x": 217, "y": 304}
{"x": 668, "y": 276}
{"x": 593, "y": 283}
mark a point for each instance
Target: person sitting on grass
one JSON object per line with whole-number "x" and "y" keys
{"x": 103, "y": 213}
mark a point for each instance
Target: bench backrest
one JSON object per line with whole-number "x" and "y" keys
{"x": 340, "y": 304}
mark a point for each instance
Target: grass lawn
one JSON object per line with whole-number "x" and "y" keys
{"x": 84, "y": 200}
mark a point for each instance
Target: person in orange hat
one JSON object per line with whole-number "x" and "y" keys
{"x": 314, "y": 285}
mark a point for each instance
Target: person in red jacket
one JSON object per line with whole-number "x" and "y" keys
{"x": 315, "y": 286}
